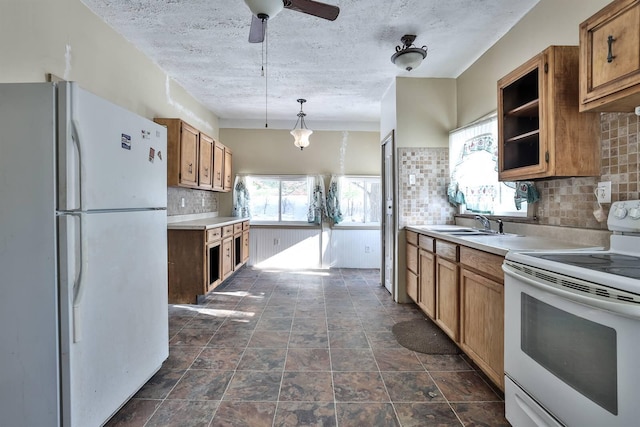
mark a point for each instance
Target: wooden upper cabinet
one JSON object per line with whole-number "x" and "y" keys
{"x": 228, "y": 175}
{"x": 541, "y": 132}
{"x": 182, "y": 153}
{"x": 195, "y": 159}
{"x": 218, "y": 166}
{"x": 610, "y": 58}
{"x": 205, "y": 162}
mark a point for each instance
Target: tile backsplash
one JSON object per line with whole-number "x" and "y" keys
{"x": 425, "y": 201}
{"x": 571, "y": 201}
{"x": 195, "y": 201}
{"x": 567, "y": 202}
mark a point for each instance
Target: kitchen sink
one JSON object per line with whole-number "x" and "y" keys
{"x": 471, "y": 232}
{"x": 452, "y": 230}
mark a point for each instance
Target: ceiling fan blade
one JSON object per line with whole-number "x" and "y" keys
{"x": 258, "y": 28}
{"x": 315, "y": 8}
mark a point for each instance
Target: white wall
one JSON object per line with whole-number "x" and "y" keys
{"x": 550, "y": 22}
{"x": 425, "y": 111}
{"x": 388, "y": 111}
{"x": 313, "y": 247}
{"x": 65, "y": 38}
{"x": 352, "y": 248}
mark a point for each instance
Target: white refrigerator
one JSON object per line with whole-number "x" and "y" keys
{"x": 83, "y": 255}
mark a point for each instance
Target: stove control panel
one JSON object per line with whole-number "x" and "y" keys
{"x": 624, "y": 216}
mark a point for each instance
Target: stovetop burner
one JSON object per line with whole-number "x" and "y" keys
{"x": 618, "y": 264}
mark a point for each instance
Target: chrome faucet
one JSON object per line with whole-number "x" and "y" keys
{"x": 486, "y": 224}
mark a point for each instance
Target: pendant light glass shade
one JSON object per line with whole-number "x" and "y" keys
{"x": 301, "y": 134}
{"x": 301, "y": 137}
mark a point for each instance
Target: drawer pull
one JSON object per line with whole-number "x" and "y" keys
{"x": 610, "y": 55}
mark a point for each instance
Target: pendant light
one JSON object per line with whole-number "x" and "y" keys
{"x": 301, "y": 134}
{"x": 408, "y": 56}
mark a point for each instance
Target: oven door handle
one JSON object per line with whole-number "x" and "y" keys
{"x": 615, "y": 306}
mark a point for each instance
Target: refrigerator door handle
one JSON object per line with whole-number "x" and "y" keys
{"x": 79, "y": 281}
{"x": 76, "y": 140}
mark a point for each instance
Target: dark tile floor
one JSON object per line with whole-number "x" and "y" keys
{"x": 310, "y": 348}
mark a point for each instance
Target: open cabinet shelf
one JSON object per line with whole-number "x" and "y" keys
{"x": 541, "y": 133}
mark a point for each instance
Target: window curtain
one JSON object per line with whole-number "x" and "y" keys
{"x": 317, "y": 205}
{"x": 241, "y": 198}
{"x": 333, "y": 200}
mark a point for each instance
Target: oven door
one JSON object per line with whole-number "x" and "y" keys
{"x": 572, "y": 348}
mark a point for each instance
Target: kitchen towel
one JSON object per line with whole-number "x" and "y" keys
{"x": 525, "y": 192}
{"x": 456, "y": 197}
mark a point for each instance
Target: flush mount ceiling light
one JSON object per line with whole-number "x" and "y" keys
{"x": 408, "y": 56}
{"x": 301, "y": 134}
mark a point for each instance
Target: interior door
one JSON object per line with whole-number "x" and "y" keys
{"x": 388, "y": 224}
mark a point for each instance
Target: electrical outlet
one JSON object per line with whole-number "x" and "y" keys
{"x": 367, "y": 249}
{"x": 203, "y": 202}
{"x": 603, "y": 192}
{"x": 182, "y": 202}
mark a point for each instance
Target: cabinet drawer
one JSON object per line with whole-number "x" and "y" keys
{"x": 237, "y": 227}
{"x": 227, "y": 231}
{"x": 484, "y": 262}
{"x": 447, "y": 250}
{"x": 412, "y": 237}
{"x": 427, "y": 243}
{"x": 213, "y": 234}
{"x": 245, "y": 225}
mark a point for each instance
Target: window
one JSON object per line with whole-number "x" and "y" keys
{"x": 279, "y": 198}
{"x": 360, "y": 198}
{"x": 473, "y": 155}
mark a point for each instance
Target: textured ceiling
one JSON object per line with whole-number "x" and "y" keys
{"x": 341, "y": 67}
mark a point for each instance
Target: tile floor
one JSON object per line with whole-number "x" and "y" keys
{"x": 310, "y": 348}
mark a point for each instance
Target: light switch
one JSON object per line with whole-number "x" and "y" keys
{"x": 412, "y": 179}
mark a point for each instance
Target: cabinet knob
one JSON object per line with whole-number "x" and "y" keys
{"x": 610, "y": 55}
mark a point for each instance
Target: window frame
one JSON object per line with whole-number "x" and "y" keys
{"x": 488, "y": 121}
{"x": 360, "y": 225}
{"x": 307, "y": 179}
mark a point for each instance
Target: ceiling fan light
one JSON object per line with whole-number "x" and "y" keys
{"x": 267, "y": 7}
{"x": 301, "y": 137}
{"x": 409, "y": 58}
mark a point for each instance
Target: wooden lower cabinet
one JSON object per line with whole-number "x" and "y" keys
{"x": 412, "y": 266}
{"x": 227, "y": 257}
{"x": 199, "y": 260}
{"x": 245, "y": 246}
{"x": 187, "y": 268}
{"x": 462, "y": 290}
{"x": 482, "y": 323}
{"x": 427, "y": 283}
{"x": 447, "y": 290}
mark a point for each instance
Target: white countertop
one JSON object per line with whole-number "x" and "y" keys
{"x": 203, "y": 223}
{"x": 498, "y": 244}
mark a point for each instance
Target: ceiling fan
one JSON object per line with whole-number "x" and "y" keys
{"x": 263, "y": 10}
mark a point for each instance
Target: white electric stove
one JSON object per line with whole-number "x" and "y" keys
{"x": 572, "y": 331}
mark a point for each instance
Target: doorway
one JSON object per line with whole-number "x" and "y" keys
{"x": 389, "y": 227}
